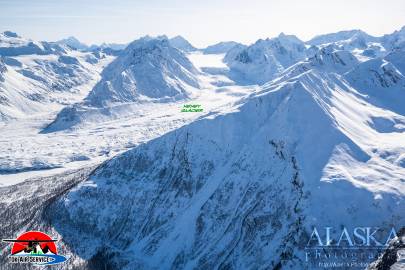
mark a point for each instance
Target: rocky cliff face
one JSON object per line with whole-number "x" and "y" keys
{"x": 393, "y": 257}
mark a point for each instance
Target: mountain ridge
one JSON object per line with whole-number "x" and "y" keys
{"x": 292, "y": 137}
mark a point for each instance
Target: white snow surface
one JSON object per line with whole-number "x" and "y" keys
{"x": 147, "y": 68}
{"x": 265, "y": 59}
{"x": 281, "y": 159}
{"x": 320, "y": 142}
{"x": 32, "y": 82}
{"x": 74, "y": 43}
{"x": 220, "y": 47}
{"x": 101, "y": 132}
{"x": 181, "y": 43}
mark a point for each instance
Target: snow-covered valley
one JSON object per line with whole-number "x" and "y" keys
{"x": 104, "y": 132}
{"x": 292, "y": 135}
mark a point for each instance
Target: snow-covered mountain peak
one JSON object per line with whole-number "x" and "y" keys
{"x": 338, "y": 36}
{"x": 13, "y": 45}
{"x": 394, "y": 40}
{"x": 282, "y": 34}
{"x": 11, "y": 39}
{"x": 113, "y": 46}
{"x": 181, "y": 43}
{"x": 148, "y": 44}
{"x": 73, "y": 43}
{"x": 400, "y": 32}
{"x": 282, "y": 43}
{"x": 381, "y": 81}
{"x": 221, "y": 47}
{"x": 10, "y": 34}
{"x": 397, "y": 57}
{"x": 328, "y": 59}
{"x": 289, "y": 38}
{"x": 263, "y": 60}
{"x": 71, "y": 39}
{"x": 147, "y": 68}
{"x": 378, "y": 73}
{"x": 41, "y": 74}
{"x": 332, "y": 59}
{"x": 358, "y": 40}
{"x": 158, "y": 51}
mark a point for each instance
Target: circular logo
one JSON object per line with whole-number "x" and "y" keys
{"x": 36, "y": 248}
{"x": 34, "y": 243}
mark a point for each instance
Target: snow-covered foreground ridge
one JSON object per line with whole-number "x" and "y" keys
{"x": 243, "y": 190}
{"x": 320, "y": 144}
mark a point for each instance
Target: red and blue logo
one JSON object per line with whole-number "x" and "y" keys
{"x": 36, "y": 248}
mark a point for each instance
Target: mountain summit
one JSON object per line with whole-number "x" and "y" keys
{"x": 263, "y": 60}
{"x": 181, "y": 43}
{"x": 338, "y": 36}
{"x": 290, "y": 137}
{"x": 149, "y": 68}
{"x": 74, "y": 43}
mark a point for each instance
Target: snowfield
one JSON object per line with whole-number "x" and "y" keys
{"x": 103, "y": 132}
{"x": 292, "y": 135}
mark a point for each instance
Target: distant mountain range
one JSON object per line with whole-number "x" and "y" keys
{"x": 311, "y": 134}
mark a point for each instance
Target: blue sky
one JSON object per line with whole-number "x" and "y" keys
{"x": 201, "y": 22}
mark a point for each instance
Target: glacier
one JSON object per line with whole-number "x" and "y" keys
{"x": 293, "y": 135}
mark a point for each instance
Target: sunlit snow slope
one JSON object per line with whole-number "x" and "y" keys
{"x": 243, "y": 190}
{"x": 241, "y": 184}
